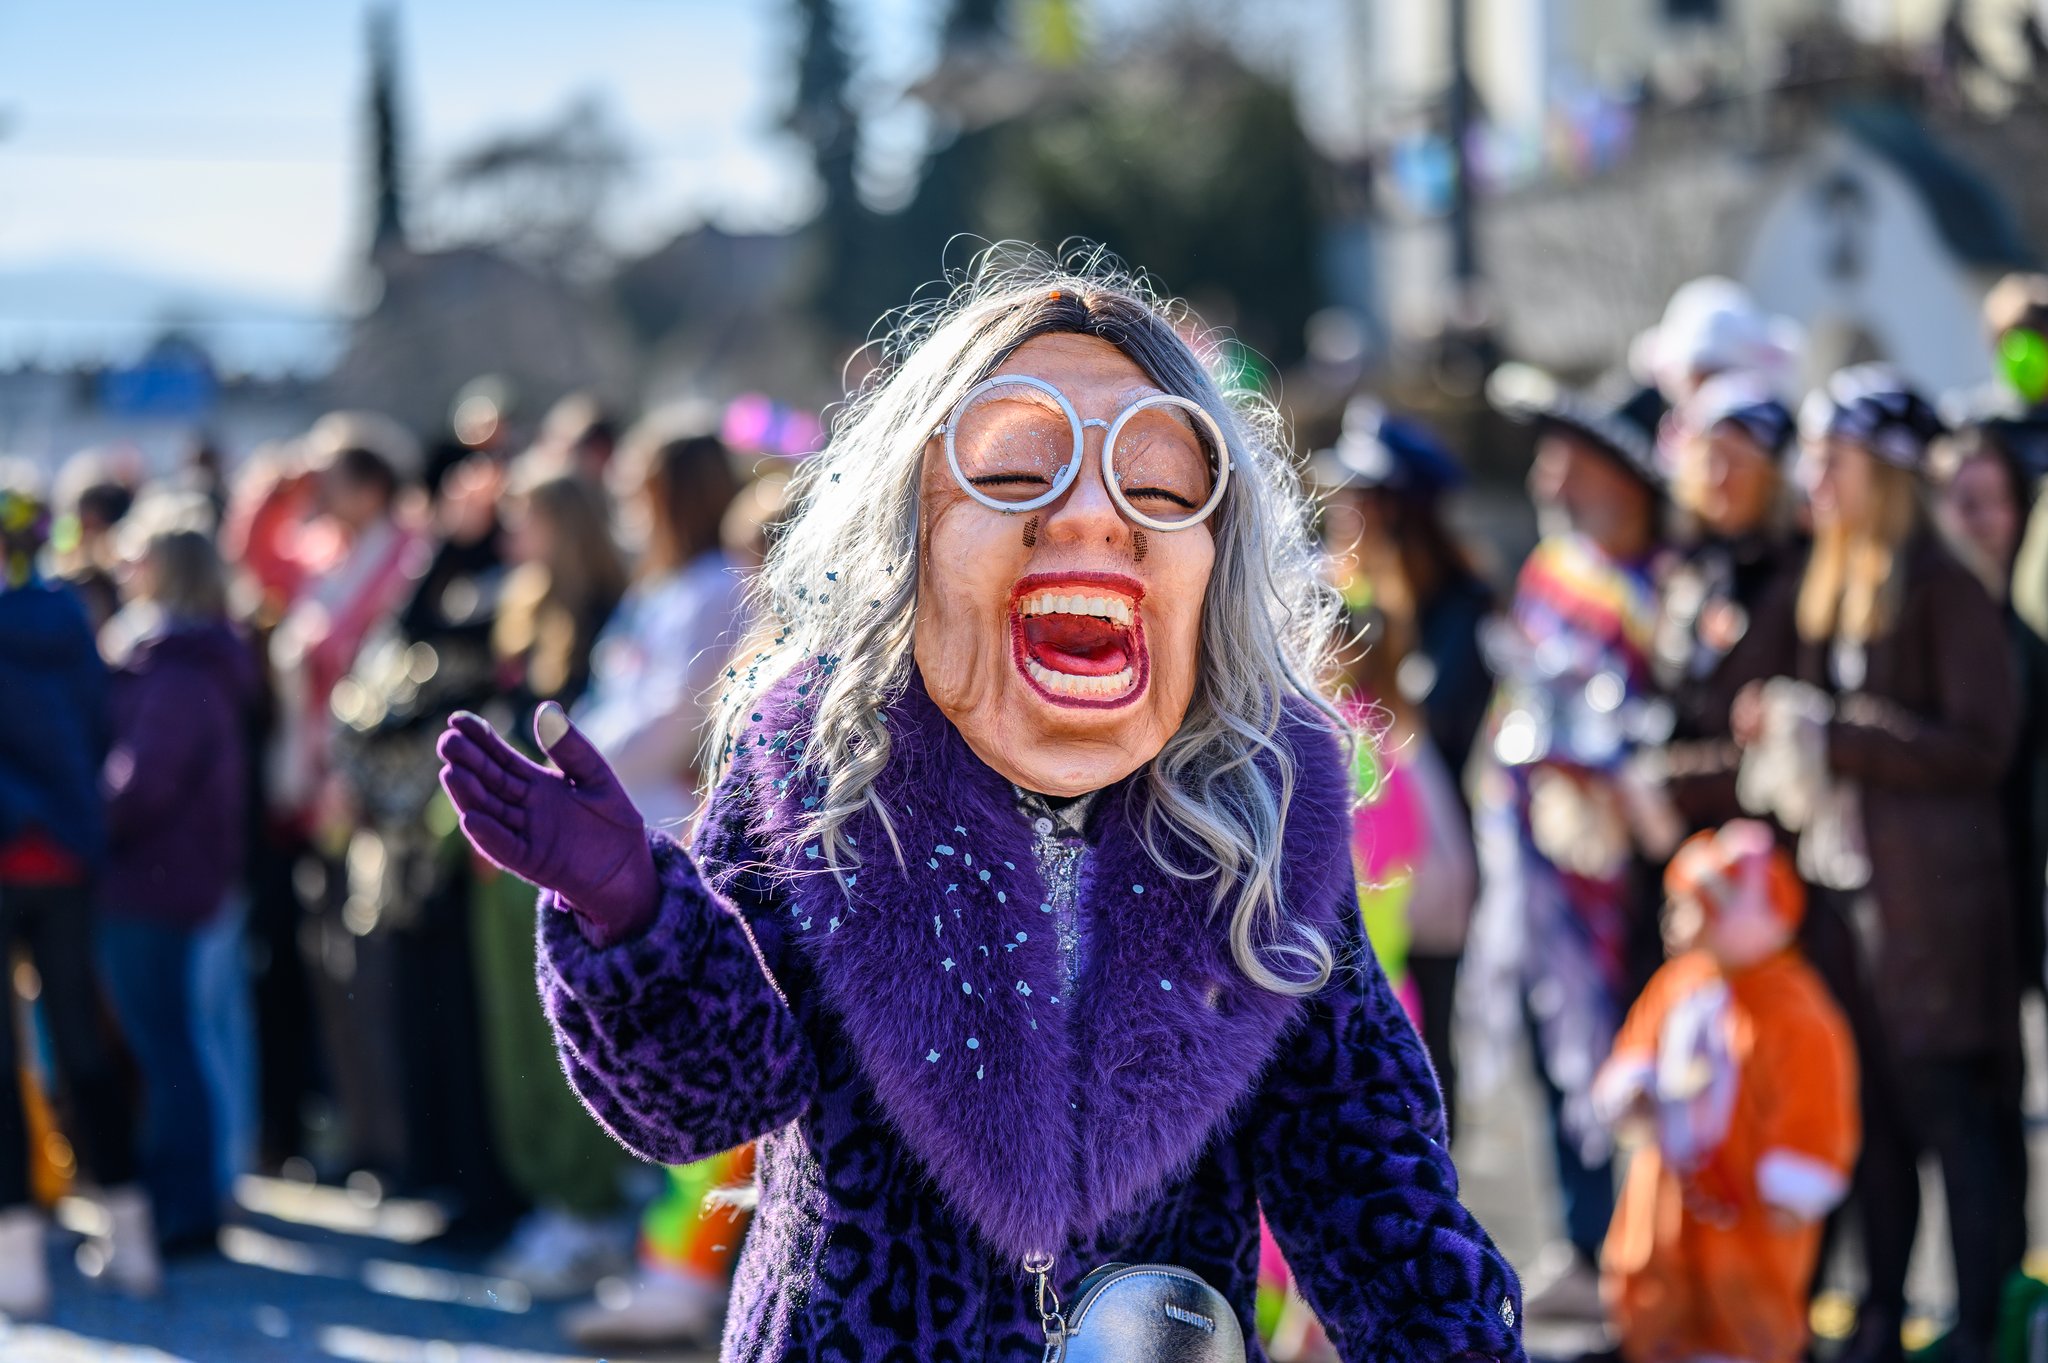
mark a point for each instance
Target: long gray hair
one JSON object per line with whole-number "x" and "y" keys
{"x": 842, "y": 580}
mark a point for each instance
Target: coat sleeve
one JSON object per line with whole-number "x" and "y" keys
{"x": 680, "y": 1041}
{"x": 1358, "y": 1188}
{"x": 1810, "y": 1134}
{"x": 1966, "y": 742}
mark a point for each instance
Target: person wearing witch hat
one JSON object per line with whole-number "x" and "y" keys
{"x": 1384, "y": 484}
{"x": 1561, "y": 918}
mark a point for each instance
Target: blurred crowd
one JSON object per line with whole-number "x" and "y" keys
{"x": 219, "y": 814}
{"x": 1754, "y": 760}
{"x": 1731, "y": 811}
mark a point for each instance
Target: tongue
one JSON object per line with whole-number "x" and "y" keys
{"x": 1079, "y": 645}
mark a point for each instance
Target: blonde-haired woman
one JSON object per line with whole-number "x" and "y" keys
{"x": 1020, "y": 927}
{"x": 1897, "y": 685}
{"x": 184, "y": 686}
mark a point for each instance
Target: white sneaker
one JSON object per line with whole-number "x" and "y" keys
{"x": 654, "y": 1308}
{"x": 558, "y": 1256}
{"x": 1561, "y": 1285}
{"x": 24, "y": 1271}
{"x": 132, "y": 1263}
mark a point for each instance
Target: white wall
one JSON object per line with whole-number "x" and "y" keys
{"x": 1911, "y": 297}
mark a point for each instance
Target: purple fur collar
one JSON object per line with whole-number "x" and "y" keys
{"x": 1038, "y": 1116}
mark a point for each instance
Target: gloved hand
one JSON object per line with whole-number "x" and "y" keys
{"x": 571, "y": 830}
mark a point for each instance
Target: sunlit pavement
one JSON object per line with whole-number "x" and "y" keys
{"x": 320, "y": 1273}
{"x": 306, "y": 1274}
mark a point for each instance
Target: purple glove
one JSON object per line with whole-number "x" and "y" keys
{"x": 572, "y": 831}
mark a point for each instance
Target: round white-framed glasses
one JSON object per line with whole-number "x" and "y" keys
{"x": 1014, "y": 443}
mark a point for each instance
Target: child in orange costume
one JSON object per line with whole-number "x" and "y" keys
{"x": 1740, "y": 1066}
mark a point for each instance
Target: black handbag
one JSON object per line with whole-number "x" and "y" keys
{"x": 1138, "y": 1313}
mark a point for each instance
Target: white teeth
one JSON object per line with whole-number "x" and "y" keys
{"x": 1083, "y": 688}
{"x": 1113, "y": 608}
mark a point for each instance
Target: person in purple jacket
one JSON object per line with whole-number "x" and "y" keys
{"x": 1019, "y": 929}
{"x": 182, "y": 685}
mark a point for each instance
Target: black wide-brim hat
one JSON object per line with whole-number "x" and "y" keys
{"x": 1624, "y": 427}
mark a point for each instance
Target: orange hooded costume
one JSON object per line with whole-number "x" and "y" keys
{"x": 1742, "y": 1060}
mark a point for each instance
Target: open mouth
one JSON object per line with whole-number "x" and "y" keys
{"x": 1077, "y": 637}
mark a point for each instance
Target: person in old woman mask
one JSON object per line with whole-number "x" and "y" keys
{"x": 1019, "y": 928}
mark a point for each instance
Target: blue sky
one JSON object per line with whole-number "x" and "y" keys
{"x": 220, "y": 140}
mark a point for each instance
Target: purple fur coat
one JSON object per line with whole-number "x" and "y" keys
{"x": 929, "y": 1110}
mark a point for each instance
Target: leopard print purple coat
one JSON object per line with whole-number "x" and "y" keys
{"x": 929, "y": 1110}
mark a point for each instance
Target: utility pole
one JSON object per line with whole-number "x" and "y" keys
{"x": 1464, "y": 246}
{"x": 1467, "y": 351}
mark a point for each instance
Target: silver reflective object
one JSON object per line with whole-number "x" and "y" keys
{"x": 1146, "y": 1313}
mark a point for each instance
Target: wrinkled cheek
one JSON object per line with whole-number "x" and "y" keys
{"x": 956, "y": 649}
{"x": 1175, "y": 656}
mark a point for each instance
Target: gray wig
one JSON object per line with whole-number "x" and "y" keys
{"x": 1268, "y": 621}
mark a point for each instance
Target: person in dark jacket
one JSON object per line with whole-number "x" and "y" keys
{"x": 1386, "y": 482}
{"x": 1740, "y": 563}
{"x": 951, "y": 945}
{"x": 175, "y": 785}
{"x": 53, "y": 733}
{"x": 1881, "y": 740}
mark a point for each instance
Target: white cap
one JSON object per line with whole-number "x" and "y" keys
{"x": 1713, "y": 326}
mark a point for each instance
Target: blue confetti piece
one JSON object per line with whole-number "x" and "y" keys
{"x": 944, "y": 849}
{"x": 974, "y": 1043}
{"x": 812, "y": 851}
{"x": 983, "y": 873}
{"x": 984, "y": 951}
{"x": 968, "y": 860}
{"x": 949, "y": 963}
{"x": 950, "y": 889}
{"x": 851, "y": 877}
{"x": 1023, "y": 936}
{"x": 1009, "y": 866}
{"x": 1002, "y": 898}
{"x": 1137, "y": 889}
{"x": 829, "y": 577}
{"x": 1045, "y": 908}
{"x": 932, "y": 1056}
{"x": 1024, "y": 989}
{"x": 932, "y": 862}
{"x": 967, "y": 986}
{"x": 810, "y": 802}
{"x": 1033, "y": 1022}
{"x": 832, "y": 926}
{"x": 1167, "y": 985}
{"x": 805, "y": 925}
{"x": 977, "y": 1071}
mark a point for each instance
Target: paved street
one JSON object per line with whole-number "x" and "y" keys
{"x": 313, "y": 1274}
